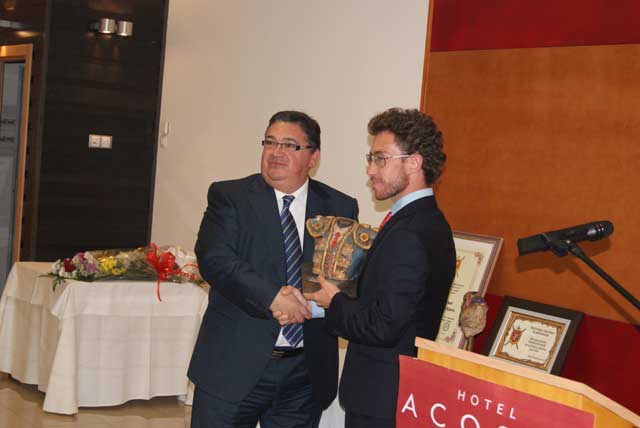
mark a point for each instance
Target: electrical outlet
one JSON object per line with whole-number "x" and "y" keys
{"x": 94, "y": 141}
{"x": 105, "y": 141}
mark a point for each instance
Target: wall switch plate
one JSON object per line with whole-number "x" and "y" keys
{"x": 105, "y": 141}
{"x": 94, "y": 141}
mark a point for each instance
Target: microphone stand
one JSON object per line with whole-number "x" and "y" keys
{"x": 561, "y": 248}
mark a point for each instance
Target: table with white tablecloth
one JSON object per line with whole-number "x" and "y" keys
{"x": 103, "y": 343}
{"x": 97, "y": 343}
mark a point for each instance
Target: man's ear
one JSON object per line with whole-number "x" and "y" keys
{"x": 414, "y": 162}
{"x": 315, "y": 157}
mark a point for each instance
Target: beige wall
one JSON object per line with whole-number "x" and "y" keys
{"x": 230, "y": 64}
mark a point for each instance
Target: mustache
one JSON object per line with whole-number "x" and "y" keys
{"x": 277, "y": 159}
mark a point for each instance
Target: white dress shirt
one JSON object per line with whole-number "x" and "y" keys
{"x": 298, "y": 210}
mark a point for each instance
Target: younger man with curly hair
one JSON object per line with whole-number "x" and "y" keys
{"x": 403, "y": 289}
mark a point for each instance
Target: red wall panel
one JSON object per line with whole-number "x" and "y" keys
{"x": 502, "y": 24}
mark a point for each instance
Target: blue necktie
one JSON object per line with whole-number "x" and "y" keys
{"x": 293, "y": 263}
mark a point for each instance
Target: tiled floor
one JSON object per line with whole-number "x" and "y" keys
{"x": 21, "y": 407}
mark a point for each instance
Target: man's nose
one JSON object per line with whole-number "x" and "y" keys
{"x": 278, "y": 148}
{"x": 371, "y": 169}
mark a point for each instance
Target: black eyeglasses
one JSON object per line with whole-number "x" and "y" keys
{"x": 381, "y": 160}
{"x": 289, "y": 147}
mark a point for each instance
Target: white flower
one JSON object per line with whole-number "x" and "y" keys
{"x": 89, "y": 258}
{"x": 182, "y": 257}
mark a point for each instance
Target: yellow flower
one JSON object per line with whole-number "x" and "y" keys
{"x": 117, "y": 271}
{"x": 107, "y": 264}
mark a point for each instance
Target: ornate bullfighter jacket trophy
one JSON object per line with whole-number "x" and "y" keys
{"x": 340, "y": 246}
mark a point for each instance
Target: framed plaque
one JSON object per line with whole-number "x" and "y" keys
{"x": 476, "y": 256}
{"x": 533, "y": 334}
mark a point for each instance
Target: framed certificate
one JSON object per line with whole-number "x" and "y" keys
{"x": 533, "y": 334}
{"x": 476, "y": 256}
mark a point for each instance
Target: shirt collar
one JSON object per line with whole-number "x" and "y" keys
{"x": 299, "y": 195}
{"x": 407, "y": 199}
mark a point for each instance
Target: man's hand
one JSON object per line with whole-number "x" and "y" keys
{"x": 289, "y": 306}
{"x": 323, "y": 296}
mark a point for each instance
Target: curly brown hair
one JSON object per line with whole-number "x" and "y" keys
{"x": 415, "y": 132}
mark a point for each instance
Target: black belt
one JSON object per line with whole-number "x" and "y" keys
{"x": 278, "y": 354}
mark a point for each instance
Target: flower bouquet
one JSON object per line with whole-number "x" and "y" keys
{"x": 139, "y": 264}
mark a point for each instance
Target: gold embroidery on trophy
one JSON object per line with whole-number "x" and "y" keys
{"x": 340, "y": 258}
{"x": 340, "y": 245}
{"x": 343, "y": 256}
{"x": 326, "y": 248}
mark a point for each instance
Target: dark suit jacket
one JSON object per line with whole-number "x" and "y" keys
{"x": 402, "y": 292}
{"x": 241, "y": 254}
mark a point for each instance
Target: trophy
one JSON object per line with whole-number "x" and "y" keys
{"x": 340, "y": 247}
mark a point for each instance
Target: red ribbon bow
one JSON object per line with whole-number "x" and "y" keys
{"x": 163, "y": 265}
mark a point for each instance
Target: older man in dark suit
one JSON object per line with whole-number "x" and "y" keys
{"x": 408, "y": 271}
{"x": 246, "y": 367}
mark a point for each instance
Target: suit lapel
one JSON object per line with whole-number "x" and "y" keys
{"x": 376, "y": 242}
{"x": 262, "y": 199}
{"x": 428, "y": 204}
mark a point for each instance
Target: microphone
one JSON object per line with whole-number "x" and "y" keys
{"x": 584, "y": 232}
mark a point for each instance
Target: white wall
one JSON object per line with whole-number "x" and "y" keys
{"x": 231, "y": 64}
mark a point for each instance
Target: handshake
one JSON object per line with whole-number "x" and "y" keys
{"x": 291, "y": 306}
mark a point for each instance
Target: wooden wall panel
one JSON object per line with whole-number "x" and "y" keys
{"x": 108, "y": 85}
{"x": 82, "y": 83}
{"x": 542, "y": 139}
{"x": 508, "y": 24}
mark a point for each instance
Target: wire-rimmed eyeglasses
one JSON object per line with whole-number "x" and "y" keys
{"x": 381, "y": 160}
{"x": 287, "y": 146}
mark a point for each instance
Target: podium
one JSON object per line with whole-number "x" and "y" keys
{"x": 489, "y": 392}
